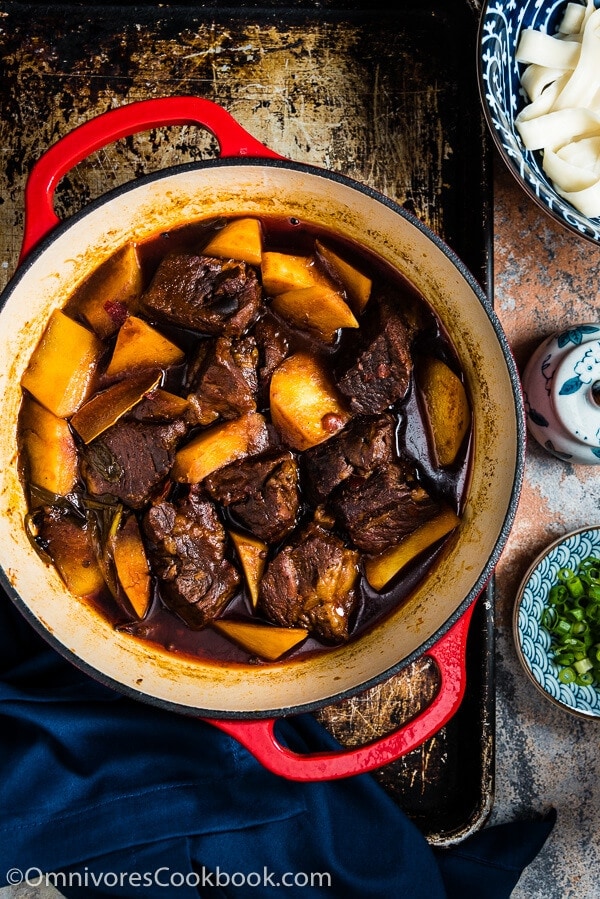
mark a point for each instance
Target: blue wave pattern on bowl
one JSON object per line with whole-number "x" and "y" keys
{"x": 501, "y": 25}
{"x": 534, "y": 640}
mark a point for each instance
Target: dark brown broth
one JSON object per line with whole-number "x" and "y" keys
{"x": 161, "y": 626}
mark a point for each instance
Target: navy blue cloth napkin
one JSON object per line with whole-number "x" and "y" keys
{"x": 107, "y": 797}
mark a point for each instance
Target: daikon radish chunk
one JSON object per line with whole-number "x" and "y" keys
{"x": 49, "y": 448}
{"x": 447, "y": 409}
{"x": 306, "y": 407}
{"x": 68, "y": 542}
{"x": 380, "y": 569}
{"x": 356, "y": 284}
{"x": 63, "y": 366}
{"x": 161, "y": 405}
{"x": 140, "y": 346}
{"x": 319, "y": 310}
{"x": 285, "y": 271}
{"x": 264, "y": 640}
{"x": 253, "y": 556}
{"x": 219, "y": 445}
{"x": 111, "y": 292}
{"x": 105, "y": 408}
{"x": 132, "y": 566}
{"x": 239, "y": 239}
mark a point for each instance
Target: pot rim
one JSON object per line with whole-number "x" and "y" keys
{"x": 487, "y": 569}
{"x": 264, "y": 162}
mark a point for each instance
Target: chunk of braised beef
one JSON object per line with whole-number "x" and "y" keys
{"x": 262, "y": 493}
{"x": 131, "y": 459}
{"x": 366, "y": 442}
{"x": 214, "y": 296}
{"x": 375, "y": 372}
{"x": 222, "y": 379}
{"x": 312, "y": 583}
{"x": 380, "y": 509}
{"x": 187, "y": 547}
{"x": 273, "y": 338}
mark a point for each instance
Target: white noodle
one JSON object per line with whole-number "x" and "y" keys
{"x": 557, "y": 128}
{"x": 542, "y": 104}
{"x": 584, "y": 153}
{"x": 572, "y": 19}
{"x": 545, "y": 50}
{"x": 587, "y": 201}
{"x": 570, "y": 177}
{"x": 589, "y": 10}
{"x": 582, "y": 86}
{"x": 562, "y": 80}
{"x": 535, "y": 79}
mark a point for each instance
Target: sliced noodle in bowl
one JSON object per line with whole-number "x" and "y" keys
{"x": 558, "y": 128}
{"x": 586, "y": 200}
{"x": 584, "y": 82}
{"x": 573, "y": 19}
{"x": 572, "y": 178}
{"x": 584, "y": 153}
{"x": 545, "y": 50}
{"x": 535, "y": 79}
{"x": 562, "y": 80}
{"x": 538, "y": 110}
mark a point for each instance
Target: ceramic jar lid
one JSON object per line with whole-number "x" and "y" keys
{"x": 562, "y": 394}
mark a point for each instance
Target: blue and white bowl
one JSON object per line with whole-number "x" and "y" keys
{"x": 532, "y": 640}
{"x": 501, "y": 24}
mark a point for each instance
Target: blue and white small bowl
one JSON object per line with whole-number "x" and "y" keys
{"x": 532, "y": 641}
{"x": 501, "y": 24}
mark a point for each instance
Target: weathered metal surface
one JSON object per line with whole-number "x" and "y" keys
{"x": 386, "y": 99}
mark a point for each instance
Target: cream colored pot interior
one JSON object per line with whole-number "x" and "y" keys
{"x": 157, "y": 204}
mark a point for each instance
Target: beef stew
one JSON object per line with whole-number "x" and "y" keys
{"x": 282, "y": 456}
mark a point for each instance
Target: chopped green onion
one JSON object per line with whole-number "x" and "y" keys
{"x": 583, "y": 665}
{"x": 567, "y": 675}
{"x": 575, "y": 587}
{"x": 572, "y": 618}
{"x": 557, "y": 593}
{"x": 564, "y": 658}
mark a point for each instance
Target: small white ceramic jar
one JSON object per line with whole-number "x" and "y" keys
{"x": 561, "y": 383}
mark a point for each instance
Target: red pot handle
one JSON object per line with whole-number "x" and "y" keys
{"x": 123, "y": 121}
{"x": 259, "y": 736}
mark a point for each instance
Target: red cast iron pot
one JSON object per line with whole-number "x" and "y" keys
{"x": 249, "y": 179}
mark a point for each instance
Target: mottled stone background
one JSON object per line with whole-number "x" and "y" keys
{"x": 545, "y": 278}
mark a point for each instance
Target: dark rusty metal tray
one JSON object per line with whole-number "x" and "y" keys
{"x": 388, "y": 98}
